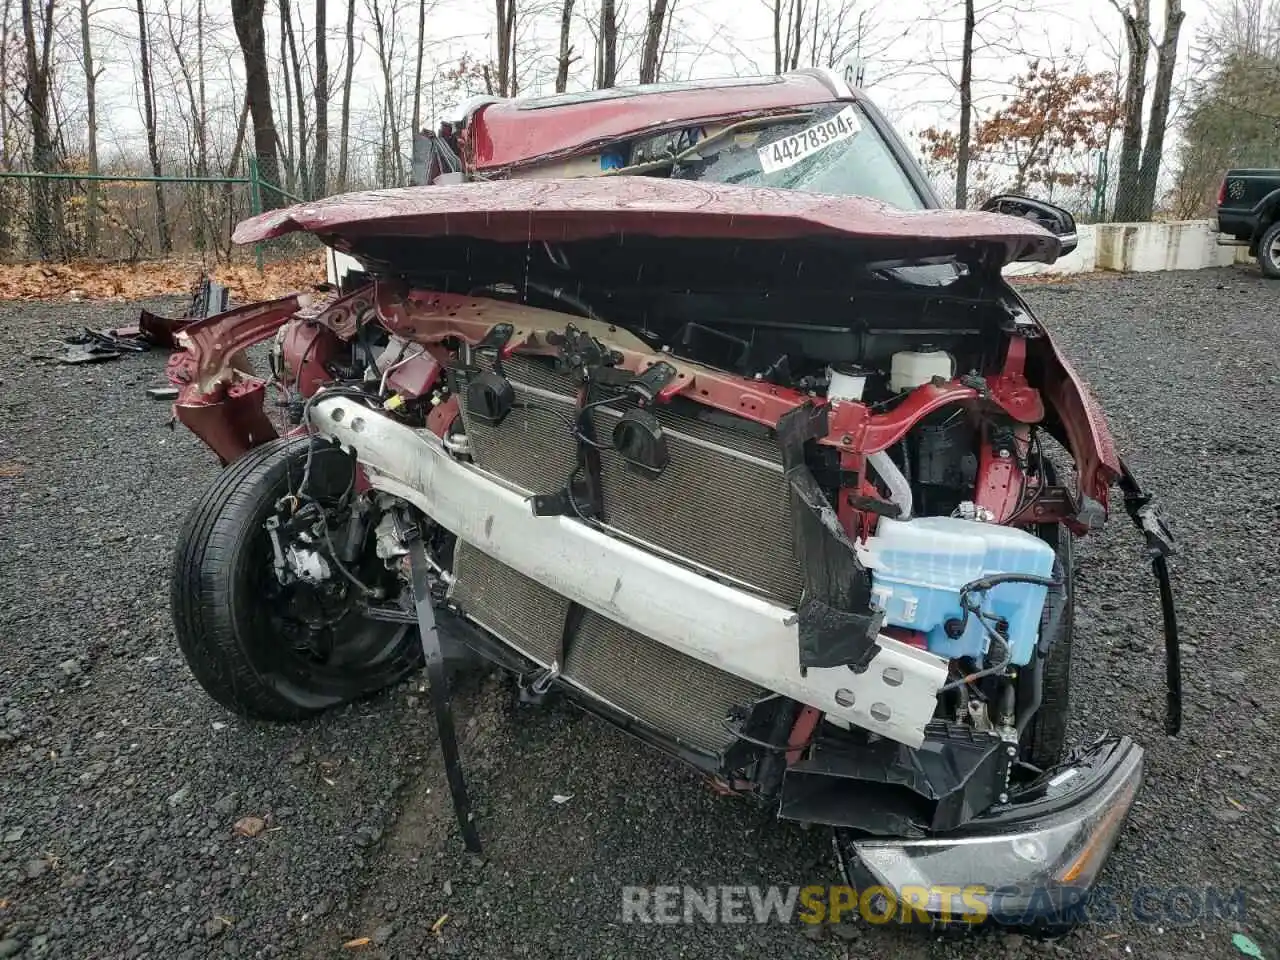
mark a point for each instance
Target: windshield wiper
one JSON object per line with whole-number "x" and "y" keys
{"x": 675, "y": 159}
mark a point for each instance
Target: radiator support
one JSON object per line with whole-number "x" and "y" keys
{"x": 727, "y": 628}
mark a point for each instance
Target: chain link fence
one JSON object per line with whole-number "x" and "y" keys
{"x": 132, "y": 218}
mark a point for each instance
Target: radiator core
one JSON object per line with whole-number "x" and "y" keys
{"x": 720, "y": 506}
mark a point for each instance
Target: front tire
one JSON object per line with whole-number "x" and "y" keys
{"x": 1269, "y": 251}
{"x": 233, "y": 626}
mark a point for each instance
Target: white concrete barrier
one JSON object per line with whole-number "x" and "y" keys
{"x": 1141, "y": 248}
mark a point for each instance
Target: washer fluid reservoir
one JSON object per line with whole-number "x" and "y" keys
{"x": 918, "y": 567}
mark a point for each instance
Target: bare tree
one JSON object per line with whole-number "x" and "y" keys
{"x": 4, "y": 87}
{"x": 837, "y": 31}
{"x": 417, "y": 68}
{"x": 1139, "y": 166}
{"x": 1153, "y": 150}
{"x": 232, "y": 166}
{"x": 286, "y": 28}
{"x": 566, "y": 58}
{"x": 320, "y": 169}
{"x": 505, "y": 11}
{"x": 286, "y": 84}
{"x": 247, "y": 17}
{"x": 201, "y": 105}
{"x": 91, "y": 108}
{"x": 149, "y": 118}
{"x": 654, "y": 27}
{"x": 1137, "y": 33}
{"x": 47, "y": 222}
{"x": 607, "y": 56}
{"x": 966, "y": 107}
{"x": 193, "y": 81}
{"x": 345, "y": 123}
{"x": 392, "y": 162}
{"x": 779, "y": 43}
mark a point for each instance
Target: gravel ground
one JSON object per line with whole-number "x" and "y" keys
{"x": 120, "y": 781}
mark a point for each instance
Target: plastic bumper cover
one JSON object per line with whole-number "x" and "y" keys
{"x": 1032, "y": 862}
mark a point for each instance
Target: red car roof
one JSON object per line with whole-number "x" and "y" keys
{"x": 509, "y": 132}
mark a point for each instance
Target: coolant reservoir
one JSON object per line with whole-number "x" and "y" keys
{"x": 910, "y": 368}
{"x": 918, "y": 567}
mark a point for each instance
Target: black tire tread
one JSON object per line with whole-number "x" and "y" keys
{"x": 1269, "y": 267}
{"x": 220, "y": 633}
{"x": 202, "y": 610}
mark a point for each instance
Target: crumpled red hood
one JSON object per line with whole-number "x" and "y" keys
{"x": 596, "y": 207}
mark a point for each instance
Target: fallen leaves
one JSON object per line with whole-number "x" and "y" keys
{"x": 436, "y": 927}
{"x": 357, "y": 943}
{"x": 78, "y": 281}
{"x": 249, "y": 826}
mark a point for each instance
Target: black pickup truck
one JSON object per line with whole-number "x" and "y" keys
{"x": 1249, "y": 213}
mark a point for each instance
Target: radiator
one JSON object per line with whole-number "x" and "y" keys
{"x": 721, "y": 504}
{"x": 666, "y": 690}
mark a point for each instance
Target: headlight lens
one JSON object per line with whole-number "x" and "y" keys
{"x": 1032, "y": 872}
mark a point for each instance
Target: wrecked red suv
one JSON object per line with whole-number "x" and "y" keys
{"x": 687, "y": 403}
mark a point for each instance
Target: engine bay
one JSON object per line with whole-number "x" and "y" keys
{"x": 799, "y": 462}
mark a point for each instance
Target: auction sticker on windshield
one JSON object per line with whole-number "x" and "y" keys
{"x": 791, "y": 150}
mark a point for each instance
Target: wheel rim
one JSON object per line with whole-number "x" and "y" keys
{"x": 358, "y": 652}
{"x": 1273, "y": 249}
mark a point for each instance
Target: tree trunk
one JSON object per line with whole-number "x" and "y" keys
{"x": 202, "y": 110}
{"x": 285, "y": 145}
{"x": 813, "y": 39}
{"x": 247, "y": 17}
{"x": 320, "y": 161}
{"x": 345, "y": 122}
{"x": 232, "y": 167}
{"x": 1137, "y": 30}
{"x": 777, "y": 36}
{"x": 4, "y": 89}
{"x": 607, "y": 75}
{"x": 650, "y": 53}
{"x": 566, "y": 49}
{"x": 417, "y": 69}
{"x": 966, "y": 108}
{"x": 392, "y": 167}
{"x": 149, "y": 116}
{"x": 505, "y": 11}
{"x": 47, "y": 226}
{"x": 1166, "y": 58}
{"x": 91, "y": 108}
{"x": 797, "y": 32}
{"x": 304, "y": 172}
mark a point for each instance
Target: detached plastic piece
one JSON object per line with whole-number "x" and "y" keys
{"x": 638, "y": 439}
{"x": 490, "y": 397}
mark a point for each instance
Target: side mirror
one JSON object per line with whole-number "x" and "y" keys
{"x": 1053, "y": 218}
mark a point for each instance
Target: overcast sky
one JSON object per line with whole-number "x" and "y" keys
{"x": 907, "y": 53}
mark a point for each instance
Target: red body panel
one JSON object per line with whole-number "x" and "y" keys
{"x": 516, "y": 211}
{"x": 222, "y": 410}
{"x": 509, "y": 133}
{"x": 227, "y": 415}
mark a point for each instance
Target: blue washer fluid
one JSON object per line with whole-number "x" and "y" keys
{"x": 918, "y": 567}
